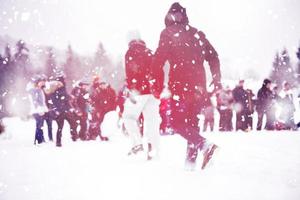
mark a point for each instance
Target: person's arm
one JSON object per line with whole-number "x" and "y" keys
{"x": 160, "y": 57}
{"x": 211, "y": 56}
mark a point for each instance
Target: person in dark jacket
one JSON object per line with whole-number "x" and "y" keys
{"x": 224, "y": 106}
{"x": 185, "y": 48}
{"x": 240, "y": 100}
{"x": 102, "y": 100}
{"x": 63, "y": 111}
{"x": 80, "y": 96}
{"x": 263, "y": 105}
{"x": 250, "y": 102}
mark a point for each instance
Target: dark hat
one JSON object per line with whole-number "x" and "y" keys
{"x": 176, "y": 14}
{"x": 267, "y": 81}
{"x": 83, "y": 82}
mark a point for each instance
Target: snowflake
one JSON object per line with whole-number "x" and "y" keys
{"x": 25, "y": 16}
{"x": 176, "y": 35}
{"x": 176, "y": 97}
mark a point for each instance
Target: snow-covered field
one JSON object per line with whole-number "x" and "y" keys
{"x": 249, "y": 166}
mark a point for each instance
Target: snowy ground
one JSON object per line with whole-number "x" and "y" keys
{"x": 260, "y": 166}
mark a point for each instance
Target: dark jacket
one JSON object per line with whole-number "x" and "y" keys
{"x": 138, "y": 59}
{"x": 79, "y": 99}
{"x": 186, "y": 49}
{"x": 61, "y": 100}
{"x": 264, "y": 99}
{"x": 240, "y": 96}
{"x": 103, "y": 97}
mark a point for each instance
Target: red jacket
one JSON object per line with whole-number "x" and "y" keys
{"x": 103, "y": 97}
{"x": 138, "y": 59}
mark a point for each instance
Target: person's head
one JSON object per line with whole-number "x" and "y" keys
{"x": 96, "y": 81}
{"x": 83, "y": 84}
{"x": 38, "y": 81}
{"x": 241, "y": 82}
{"x": 267, "y": 83}
{"x": 137, "y": 42}
{"x": 176, "y": 15}
{"x": 41, "y": 83}
{"x": 275, "y": 89}
{"x": 286, "y": 86}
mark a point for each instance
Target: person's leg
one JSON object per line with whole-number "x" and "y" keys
{"x": 94, "y": 127}
{"x": 131, "y": 114}
{"x": 222, "y": 121}
{"x": 260, "y": 116}
{"x": 48, "y": 119}
{"x": 151, "y": 124}
{"x": 229, "y": 117}
{"x": 60, "y": 124}
{"x": 83, "y": 126}
{"x": 205, "y": 124}
{"x": 185, "y": 122}
{"x": 39, "y": 131}
{"x": 238, "y": 124}
{"x": 100, "y": 120}
{"x": 71, "y": 119}
{"x": 211, "y": 124}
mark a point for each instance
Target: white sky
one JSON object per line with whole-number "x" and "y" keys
{"x": 246, "y": 33}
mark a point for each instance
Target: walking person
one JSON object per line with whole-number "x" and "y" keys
{"x": 38, "y": 107}
{"x": 264, "y": 105}
{"x": 140, "y": 100}
{"x": 62, "y": 109}
{"x": 185, "y": 48}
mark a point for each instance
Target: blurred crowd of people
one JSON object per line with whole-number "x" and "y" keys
{"x": 50, "y": 101}
{"x": 273, "y": 106}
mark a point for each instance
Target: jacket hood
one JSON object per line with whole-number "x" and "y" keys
{"x": 176, "y": 15}
{"x": 137, "y": 43}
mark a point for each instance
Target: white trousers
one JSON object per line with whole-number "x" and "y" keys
{"x": 148, "y": 105}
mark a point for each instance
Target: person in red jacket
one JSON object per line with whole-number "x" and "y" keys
{"x": 140, "y": 100}
{"x": 102, "y": 100}
{"x": 185, "y": 48}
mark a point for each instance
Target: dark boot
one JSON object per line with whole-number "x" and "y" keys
{"x": 208, "y": 153}
{"x": 136, "y": 149}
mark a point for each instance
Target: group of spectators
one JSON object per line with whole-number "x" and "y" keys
{"x": 274, "y": 105}
{"x": 50, "y": 101}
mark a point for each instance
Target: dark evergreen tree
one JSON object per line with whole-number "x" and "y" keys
{"x": 72, "y": 68}
{"x": 103, "y": 65}
{"x": 275, "y": 68}
{"x": 7, "y": 54}
{"x": 22, "y": 60}
{"x": 298, "y": 66}
{"x": 50, "y": 66}
{"x": 282, "y": 69}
